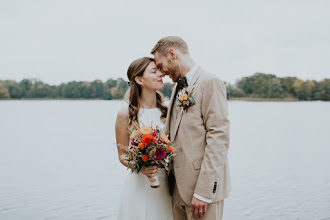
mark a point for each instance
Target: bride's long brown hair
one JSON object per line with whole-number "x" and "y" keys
{"x": 137, "y": 68}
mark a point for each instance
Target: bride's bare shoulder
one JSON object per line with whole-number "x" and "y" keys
{"x": 123, "y": 112}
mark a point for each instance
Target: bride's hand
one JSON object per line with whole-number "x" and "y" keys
{"x": 150, "y": 172}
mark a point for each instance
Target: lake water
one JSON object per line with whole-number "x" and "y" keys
{"x": 58, "y": 160}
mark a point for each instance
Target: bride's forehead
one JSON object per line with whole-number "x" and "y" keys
{"x": 151, "y": 65}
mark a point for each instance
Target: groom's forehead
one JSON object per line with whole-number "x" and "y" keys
{"x": 158, "y": 59}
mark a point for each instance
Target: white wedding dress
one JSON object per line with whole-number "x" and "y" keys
{"x": 138, "y": 200}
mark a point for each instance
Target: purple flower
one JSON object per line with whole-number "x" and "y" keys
{"x": 132, "y": 142}
{"x": 160, "y": 154}
{"x": 153, "y": 134}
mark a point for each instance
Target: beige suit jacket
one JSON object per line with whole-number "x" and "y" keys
{"x": 200, "y": 137}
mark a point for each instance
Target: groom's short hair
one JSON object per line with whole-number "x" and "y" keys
{"x": 164, "y": 44}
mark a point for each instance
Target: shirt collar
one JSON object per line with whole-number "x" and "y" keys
{"x": 189, "y": 76}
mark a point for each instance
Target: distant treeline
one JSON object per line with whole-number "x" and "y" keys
{"x": 259, "y": 85}
{"x": 36, "y": 89}
{"x": 269, "y": 86}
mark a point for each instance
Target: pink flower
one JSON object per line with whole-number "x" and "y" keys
{"x": 160, "y": 154}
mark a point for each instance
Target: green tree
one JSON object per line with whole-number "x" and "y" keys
{"x": 167, "y": 90}
{"x": 274, "y": 89}
{"x": 114, "y": 93}
{"x": 232, "y": 91}
{"x": 260, "y": 85}
{"x": 121, "y": 88}
{"x": 4, "y": 94}
{"x": 14, "y": 89}
{"x": 246, "y": 85}
{"x": 110, "y": 83}
{"x": 71, "y": 90}
{"x": 107, "y": 94}
{"x": 324, "y": 90}
{"x": 303, "y": 89}
{"x": 41, "y": 90}
{"x": 287, "y": 85}
{"x": 99, "y": 89}
{"x": 26, "y": 85}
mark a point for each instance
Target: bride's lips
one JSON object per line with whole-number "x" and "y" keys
{"x": 160, "y": 80}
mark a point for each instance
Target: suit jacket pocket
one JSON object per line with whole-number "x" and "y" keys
{"x": 197, "y": 164}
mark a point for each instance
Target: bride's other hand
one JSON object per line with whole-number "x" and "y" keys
{"x": 150, "y": 172}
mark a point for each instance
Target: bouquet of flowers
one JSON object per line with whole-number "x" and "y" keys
{"x": 147, "y": 147}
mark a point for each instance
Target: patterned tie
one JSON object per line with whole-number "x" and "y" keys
{"x": 182, "y": 82}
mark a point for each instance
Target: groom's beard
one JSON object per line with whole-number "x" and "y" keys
{"x": 174, "y": 72}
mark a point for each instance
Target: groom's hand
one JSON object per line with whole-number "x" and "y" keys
{"x": 198, "y": 207}
{"x": 150, "y": 172}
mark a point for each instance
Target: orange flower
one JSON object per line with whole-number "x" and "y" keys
{"x": 147, "y": 138}
{"x": 184, "y": 97}
{"x": 145, "y": 130}
{"x": 164, "y": 138}
{"x": 142, "y": 145}
{"x": 145, "y": 157}
{"x": 134, "y": 134}
{"x": 170, "y": 148}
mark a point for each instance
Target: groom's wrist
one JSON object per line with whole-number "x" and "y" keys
{"x": 202, "y": 198}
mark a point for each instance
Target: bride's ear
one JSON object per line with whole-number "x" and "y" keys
{"x": 138, "y": 80}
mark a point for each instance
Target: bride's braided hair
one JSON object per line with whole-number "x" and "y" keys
{"x": 137, "y": 68}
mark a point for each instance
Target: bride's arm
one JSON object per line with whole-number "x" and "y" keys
{"x": 122, "y": 138}
{"x": 122, "y": 135}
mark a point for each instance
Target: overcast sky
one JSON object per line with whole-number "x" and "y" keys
{"x": 63, "y": 40}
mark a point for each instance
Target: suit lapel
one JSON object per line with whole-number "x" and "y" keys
{"x": 194, "y": 79}
{"x": 189, "y": 89}
{"x": 169, "y": 111}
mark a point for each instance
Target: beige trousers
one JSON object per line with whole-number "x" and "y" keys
{"x": 182, "y": 211}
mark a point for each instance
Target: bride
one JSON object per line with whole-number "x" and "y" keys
{"x": 145, "y": 108}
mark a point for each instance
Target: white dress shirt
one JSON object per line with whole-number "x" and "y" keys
{"x": 189, "y": 76}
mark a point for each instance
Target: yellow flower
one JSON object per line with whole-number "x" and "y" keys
{"x": 184, "y": 97}
{"x": 164, "y": 138}
{"x": 134, "y": 134}
{"x": 145, "y": 130}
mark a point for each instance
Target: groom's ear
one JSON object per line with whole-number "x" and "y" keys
{"x": 172, "y": 53}
{"x": 138, "y": 80}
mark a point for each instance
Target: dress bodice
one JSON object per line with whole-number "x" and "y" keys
{"x": 150, "y": 117}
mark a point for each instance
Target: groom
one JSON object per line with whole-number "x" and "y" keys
{"x": 199, "y": 132}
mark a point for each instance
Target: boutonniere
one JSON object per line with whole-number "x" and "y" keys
{"x": 185, "y": 99}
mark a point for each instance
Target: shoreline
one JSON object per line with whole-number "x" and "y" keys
{"x": 288, "y": 99}
{"x": 249, "y": 99}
